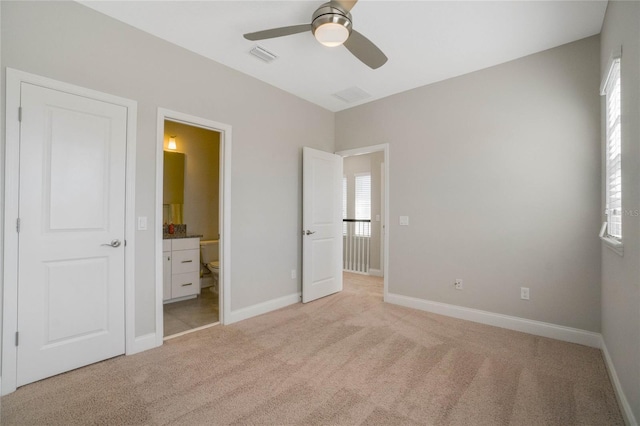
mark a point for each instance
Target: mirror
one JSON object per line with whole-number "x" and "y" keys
{"x": 173, "y": 187}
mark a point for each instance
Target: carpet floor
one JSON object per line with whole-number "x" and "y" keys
{"x": 345, "y": 359}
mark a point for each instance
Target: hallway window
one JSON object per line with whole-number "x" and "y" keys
{"x": 613, "y": 153}
{"x": 363, "y": 203}
{"x": 344, "y": 204}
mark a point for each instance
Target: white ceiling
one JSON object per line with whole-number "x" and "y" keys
{"x": 425, "y": 41}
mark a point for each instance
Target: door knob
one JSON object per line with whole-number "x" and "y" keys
{"x": 307, "y": 232}
{"x": 113, "y": 243}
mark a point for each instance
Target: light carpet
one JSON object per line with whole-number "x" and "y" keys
{"x": 345, "y": 359}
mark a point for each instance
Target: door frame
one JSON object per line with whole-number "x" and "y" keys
{"x": 14, "y": 79}
{"x": 225, "y": 131}
{"x": 385, "y": 220}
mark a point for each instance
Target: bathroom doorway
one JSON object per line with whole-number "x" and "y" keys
{"x": 192, "y": 189}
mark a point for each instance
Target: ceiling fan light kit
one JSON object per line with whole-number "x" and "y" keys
{"x": 331, "y": 25}
{"x": 331, "y": 34}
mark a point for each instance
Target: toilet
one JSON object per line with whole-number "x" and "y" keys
{"x": 210, "y": 263}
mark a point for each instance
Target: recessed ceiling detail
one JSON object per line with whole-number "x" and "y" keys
{"x": 352, "y": 94}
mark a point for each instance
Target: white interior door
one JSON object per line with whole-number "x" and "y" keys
{"x": 71, "y": 239}
{"x": 322, "y": 224}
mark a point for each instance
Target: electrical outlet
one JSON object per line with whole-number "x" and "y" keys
{"x": 458, "y": 284}
{"x": 293, "y": 274}
{"x": 524, "y": 293}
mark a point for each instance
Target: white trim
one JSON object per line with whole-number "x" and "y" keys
{"x": 14, "y": 79}
{"x": 179, "y": 299}
{"x": 538, "y": 328}
{"x": 615, "y": 56}
{"x": 383, "y": 191}
{"x": 610, "y": 242}
{"x": 263, "y": 307}
{"x": 159, "y": 302}
{"x": 366, "y": 274}
{"x": 10, "y": 260}
{"x": 368, "y": 150}
{"x": 132, "y": 344}
{"x": 626, "y": 410}
{"x": 613, "y": 244}
{"x": 225, "y": 131}
{"x": 143, "y": 343}
{"x": 375, "y": 272}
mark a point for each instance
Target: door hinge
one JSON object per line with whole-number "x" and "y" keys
{"x": 18, "y": 225}
{"x": 17, "y": 338}
{"x": 20, "y": 114}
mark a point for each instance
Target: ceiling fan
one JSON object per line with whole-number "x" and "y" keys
{"x": 331, "y": 24}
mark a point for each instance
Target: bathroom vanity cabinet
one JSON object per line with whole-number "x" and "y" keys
{"x": 181, "y": 268}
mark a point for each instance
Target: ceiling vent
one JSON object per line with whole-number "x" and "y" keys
{"x": 352, "y": 94}
{"x": 263, "y": 54}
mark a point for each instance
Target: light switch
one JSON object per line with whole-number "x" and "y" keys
{"x": 404, "y": 220}
{"x": 142, "y": 223}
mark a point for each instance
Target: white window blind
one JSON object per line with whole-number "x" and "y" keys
{"x": 613, "y": 153}
{"x": 363, "y": 203}
{"x": 344, "y": 204}
{"x": 363, "y": 196}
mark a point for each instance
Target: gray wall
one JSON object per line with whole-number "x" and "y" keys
{"x": 69, "y": 42}
{"x": 499, "y": 172}
{"x": 621, "y": 275}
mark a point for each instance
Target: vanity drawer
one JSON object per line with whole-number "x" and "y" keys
{"x": 185, "y": 244}
{"x": 185, "y": 284}
{"x": 185, "y": 261}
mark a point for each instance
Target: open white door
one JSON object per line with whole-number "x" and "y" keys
{"x": 321, "y": 224}
{"x": 71, "y": 307}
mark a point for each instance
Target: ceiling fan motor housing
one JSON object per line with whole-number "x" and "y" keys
{"x": 329, "y": 13}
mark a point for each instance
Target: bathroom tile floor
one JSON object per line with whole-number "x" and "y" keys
{"x": 192, "y": 313}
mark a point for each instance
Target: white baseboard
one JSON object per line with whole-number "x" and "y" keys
{"x": 538, "y": 328}
{"x": 375, "y": 272}
{"x": 263, "y": 308}
{"x": 627, "y": 413}
{"x": 143, "y": 343}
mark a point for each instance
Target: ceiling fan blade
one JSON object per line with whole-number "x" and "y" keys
{"x": 278, "y": 32}
{"x": 363, "y": 49}
{"x": 347, "y": 5}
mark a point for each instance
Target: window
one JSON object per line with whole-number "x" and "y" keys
{"x": 363, "y": 203}
{"x": 612, "y": 229}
